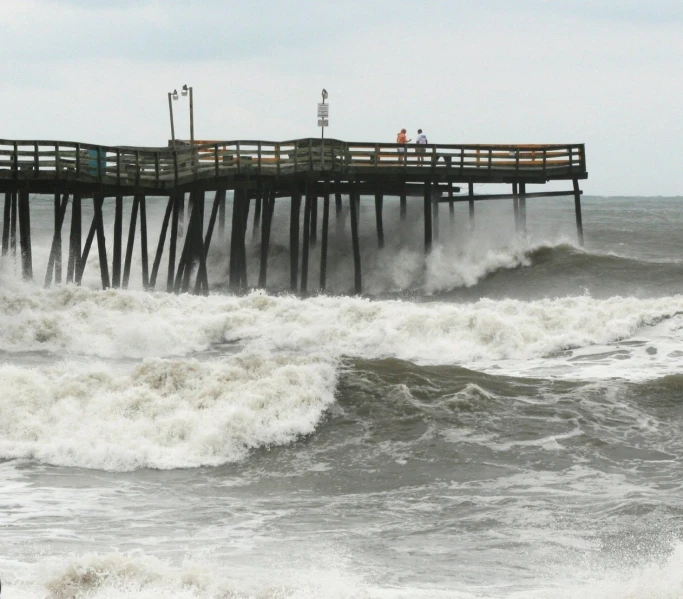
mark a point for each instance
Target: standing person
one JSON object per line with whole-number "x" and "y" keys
{"x": 421, "y": 142}
{"x": 403, "y": 140}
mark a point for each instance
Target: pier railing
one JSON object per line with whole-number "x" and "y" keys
{"x": 165, "y": 167}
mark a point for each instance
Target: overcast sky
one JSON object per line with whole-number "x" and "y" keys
{"x": 608, "y": 73}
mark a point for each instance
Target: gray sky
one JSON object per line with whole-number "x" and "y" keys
{"x": 608, "y": 73}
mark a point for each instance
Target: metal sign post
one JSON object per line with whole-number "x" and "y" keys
{"x": 323, "y": 114}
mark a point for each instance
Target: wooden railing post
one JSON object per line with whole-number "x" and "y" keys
{"x": 99, "y": 163}
{"x": 15, "y": 161}
{"x": 57, "y": 161}
{"x": 36, "y": 160}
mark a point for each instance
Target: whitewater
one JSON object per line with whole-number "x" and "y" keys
{"x": 499, "y": 419}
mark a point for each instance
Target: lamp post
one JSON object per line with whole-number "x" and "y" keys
{"x": 174, "y": 96}
{"x": 185, "y": 91}
{"x": 171, "y": 96}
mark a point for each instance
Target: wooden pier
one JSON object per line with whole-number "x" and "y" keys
{"x": 259, "y": 171}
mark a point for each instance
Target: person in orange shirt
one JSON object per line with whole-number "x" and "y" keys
{"x": 402, "y": 139}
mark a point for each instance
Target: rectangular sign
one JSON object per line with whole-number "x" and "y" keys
{"x": 323, "y": 123}
{"x": 323, "y": 111}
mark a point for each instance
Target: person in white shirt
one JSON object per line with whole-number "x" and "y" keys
{"x": 421, "y": 142}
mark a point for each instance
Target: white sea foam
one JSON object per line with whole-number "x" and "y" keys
{"x": 136, "y": 575}
{"x": 130, "y": 324}
{"x": 163, "y": 414}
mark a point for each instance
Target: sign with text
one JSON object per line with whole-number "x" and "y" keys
{"x": 323, "y": 111}
{"x": 323, "y": 123}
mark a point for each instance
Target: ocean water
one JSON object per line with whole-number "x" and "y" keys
{"x": 503, "y": 419}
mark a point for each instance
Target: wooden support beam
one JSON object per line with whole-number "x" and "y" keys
{"x": 237, "y": 238}
{"x": 73, "y": 263}
{"x": 25, "y": 236}
{"x": 435, "y": 217}
{"x": 509, "y": 196}
{"x": 451, "y": 204}
{"x": 515, "y": 206}
{"x": 258, "y": 203}
{"x": 221, "y": 214}
{"x": 353, "y": 204}
{"x": 325, "y": 225}
{"x": 162, "y": 241}
{"x": 98, "y": 202}
{"x": 131, "y": 240}
{"x": 56, "y": 249}
{"x": 428, "y": 216}
{"x": 13, "y": 225}
{"x": 577, "y": 210}
{"x": 470, "y": 193}
{"x": 143, "y": 241}
{"x": 314, "y": 217}
{"x": 268, "y": 209}
{"x": 175, "y": 225}
{"x": 193, "y": 249}
{"x": 200, "y": 249}
{"x": 118, "y": 241}
{"x": 190, "y": 248}
{"x": 183, "y": 262}
{"x": 86, "y": 249}
{"x": 246, "y": 199}
{"x": 379, "y": 206}
{"x": 294, "y": 240}
{"x": 308, "y": 209}
{"x": 339, "y": 210}
{"x": 522, "y": 207}
{"x": 5, "y": 222}
{"x": 215, "y": 208}
{"x": 57, "y": 237}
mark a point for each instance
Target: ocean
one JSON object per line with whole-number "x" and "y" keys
{"x": 501, "y": 419}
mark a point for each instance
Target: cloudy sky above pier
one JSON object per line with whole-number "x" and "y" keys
{"x": 603, "y": 72}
